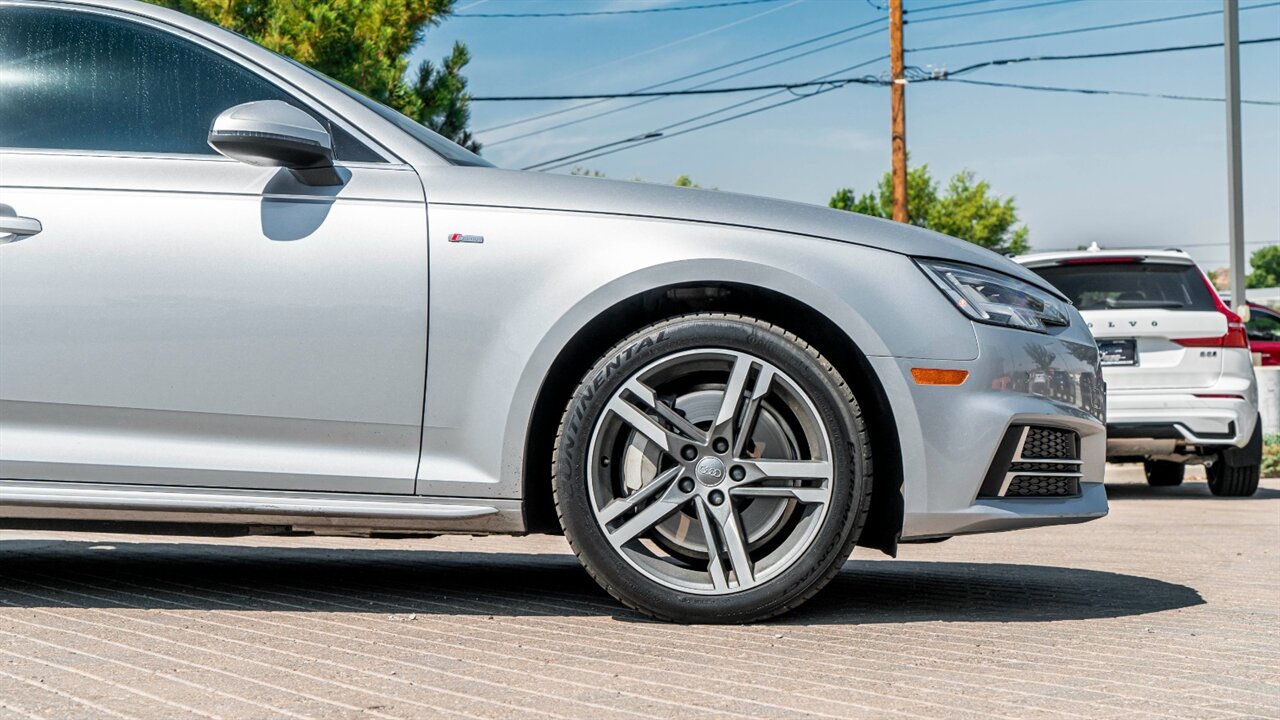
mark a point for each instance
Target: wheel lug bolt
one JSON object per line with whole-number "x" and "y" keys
{"x": 737, "y": 473}
{"x": 689, "y": 452}
{"x": 720, "y": 445}
{"x": 716, "y": 497}
{"x": 686, "y": 485}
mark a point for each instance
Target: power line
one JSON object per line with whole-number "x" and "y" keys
{"x": 821, "y": 82}
{"x": 576, "y": 158}
{"x": 992, "y": 11}
{"x": 689, "y": 76}
{"x": 561, "y": 111}
{"x": 824, "y": 85}
{"x": 568, "y": 123}
{"x": 758, "y": 68}
{"x": 660, "y": 133}
{"x": 637, "y": 11}
{"x": 858, "y": 37}
{"x": 1092, "y": 28}
{"x": 818, "y": 38}
{"x": 541, "y": 116}
{"x": 831, "y": 84}
{"x": 685, "y": 39}
{"x": 667, "y": 93}
{"x": 775, "y": 51}
{"x": 757, "y": 56}
{"x": 932, "y": 8}
{"x": 988, "y": 41}
{"x": 1094, "y": 56}
{"x": 695, "y": 118}
{"x": 1093, "y": 91}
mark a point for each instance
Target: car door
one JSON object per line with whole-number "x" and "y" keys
{"x": 181, "y": 318}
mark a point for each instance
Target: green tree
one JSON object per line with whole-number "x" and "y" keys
{"x": 1266, "y": 268}
{"x": 686, "y": 181}
{"x": 867, "y": 203}
{"x": 446, "y": 105}
{"x": 966, "y": 209}
{"x": 365, "y": 44}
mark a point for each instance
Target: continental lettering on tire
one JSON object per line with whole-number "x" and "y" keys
{"x": 591, "y": 388}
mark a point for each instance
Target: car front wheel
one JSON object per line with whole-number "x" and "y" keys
{"x": 712, "y": 468}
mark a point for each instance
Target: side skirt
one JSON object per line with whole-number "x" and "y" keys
{"x": 27, "y": 502}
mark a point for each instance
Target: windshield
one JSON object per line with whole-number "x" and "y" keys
{"x": 1125, "y": 285}
{"x": 442, "y": 146}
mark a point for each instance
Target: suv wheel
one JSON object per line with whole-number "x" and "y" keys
{"x": 1237, "y": 470}
{"x": 712, "y": 469}
{"x": 1233, "y": 481}
{"x": 1163, "y": 473}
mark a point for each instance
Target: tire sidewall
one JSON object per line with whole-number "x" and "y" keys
{"x": 834, "y": 405}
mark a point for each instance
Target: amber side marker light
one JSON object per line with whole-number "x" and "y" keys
{"x": 938, "y": 376}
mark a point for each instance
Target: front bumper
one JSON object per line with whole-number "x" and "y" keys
{"x": 951, "y": 436}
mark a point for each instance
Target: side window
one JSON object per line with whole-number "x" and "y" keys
{"x": 1263, "y": 326}
{"x": 81, "y": 81}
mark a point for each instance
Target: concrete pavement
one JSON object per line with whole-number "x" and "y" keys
{"x": 1168, "y": 608}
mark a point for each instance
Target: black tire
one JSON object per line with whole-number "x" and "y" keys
{"x": 1163, "y": 473}
{"x": 1237, "y": 470}
{"x": 851, "y": 482}
{"x": 1233, "y": 480}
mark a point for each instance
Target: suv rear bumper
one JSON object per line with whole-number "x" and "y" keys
{"x": 1178, "y": 418}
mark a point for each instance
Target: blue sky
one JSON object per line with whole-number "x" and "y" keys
{"x": 1121, "y": 171}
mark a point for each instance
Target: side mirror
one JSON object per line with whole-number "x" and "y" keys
{"x": 272, "y": 133}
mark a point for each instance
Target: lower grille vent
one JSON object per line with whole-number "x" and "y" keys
{"x": 1035, "y": 462}
{"x": 1043, "y": 486}
{"x": 1043, "y": 467}
{"x": 1050, "y": 444}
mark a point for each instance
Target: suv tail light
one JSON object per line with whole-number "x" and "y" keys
{"x": 1236, "y": 336}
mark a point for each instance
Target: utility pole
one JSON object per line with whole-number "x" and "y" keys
{"x": 898, "y": 105}
{"x": 1235, "y": 176}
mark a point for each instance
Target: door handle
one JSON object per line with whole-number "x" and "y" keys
{"x": 13, "y": 227}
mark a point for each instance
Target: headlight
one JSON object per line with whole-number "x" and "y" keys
{"x": 990, "y": 297}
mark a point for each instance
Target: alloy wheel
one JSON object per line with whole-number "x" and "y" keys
{"x": 710, "y": 471}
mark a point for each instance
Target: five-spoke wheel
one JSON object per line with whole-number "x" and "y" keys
{"x": 704, "y": 470}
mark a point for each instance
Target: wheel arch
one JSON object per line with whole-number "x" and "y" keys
{"x": 638, "y": 310}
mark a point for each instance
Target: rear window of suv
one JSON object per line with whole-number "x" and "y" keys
{"x": 1127, "y": 285}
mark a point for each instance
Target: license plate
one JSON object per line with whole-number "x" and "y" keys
{"x": 1118, "y": 352}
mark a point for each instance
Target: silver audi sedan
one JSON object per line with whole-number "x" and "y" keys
{"x": 238, "y": 296}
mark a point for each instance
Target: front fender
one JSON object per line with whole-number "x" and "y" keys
{"x": 502, "y": 311}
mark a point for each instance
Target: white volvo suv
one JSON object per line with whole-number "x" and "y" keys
{"x": 1180, "y": 384}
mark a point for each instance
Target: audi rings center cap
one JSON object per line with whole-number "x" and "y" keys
{"x": 710, "y": 471}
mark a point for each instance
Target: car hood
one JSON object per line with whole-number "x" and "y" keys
{"x": 492, "y": 187}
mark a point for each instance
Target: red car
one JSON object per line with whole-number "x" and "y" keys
{"x": 1263, "y": 329}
